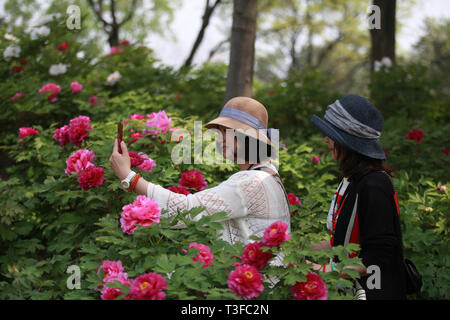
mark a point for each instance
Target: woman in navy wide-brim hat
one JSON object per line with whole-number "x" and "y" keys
{"x": 364, "y": 209}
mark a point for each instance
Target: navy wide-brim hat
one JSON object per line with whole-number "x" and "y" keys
{"x": 354, "y": 122}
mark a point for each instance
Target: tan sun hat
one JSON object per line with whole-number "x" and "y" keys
{"x": 245, "y": 115}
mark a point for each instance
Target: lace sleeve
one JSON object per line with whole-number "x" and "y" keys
{"x": 220, "y": 198}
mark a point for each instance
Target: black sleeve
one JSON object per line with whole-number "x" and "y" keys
{"x": 376, "y": 225}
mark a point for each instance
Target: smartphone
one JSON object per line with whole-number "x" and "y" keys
{"x": 119, "y": 135}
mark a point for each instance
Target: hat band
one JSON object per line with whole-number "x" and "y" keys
{"x": 245, "y": 118}
{"x": 339, "y": 117}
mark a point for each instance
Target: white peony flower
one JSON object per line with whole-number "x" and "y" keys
{"x": 48, "y": 17}
{"x": 12, "y": 50}
{"x": 57, "y": 69}
{"x": 386, "y": 62}
{"x": 36, "y": 33}
{"x": 11, "y": 37}
{"x": 113, "y": 78}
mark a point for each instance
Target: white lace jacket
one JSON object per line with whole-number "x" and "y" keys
{"x": 252, "y": 199}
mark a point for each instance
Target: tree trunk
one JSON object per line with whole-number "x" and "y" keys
{"x": 383, "y": 40}
{"x": 242, "y": 51}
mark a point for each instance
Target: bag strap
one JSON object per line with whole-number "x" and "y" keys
{"x": 278, "y": 179}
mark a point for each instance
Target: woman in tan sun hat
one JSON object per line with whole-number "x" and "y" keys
{"x": 253, "y": 198}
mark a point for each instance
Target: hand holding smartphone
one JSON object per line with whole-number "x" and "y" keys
{"x": 119, "y": 135}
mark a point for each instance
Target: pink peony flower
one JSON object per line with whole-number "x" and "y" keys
{"x": 62, "y": 46}
{"x": 254, "y": 256}
{"x": 416, "y": 135}
{"x": 313, "y": 289}
{"x": 62, "y": 135}
{"x": 27, "y": 131}
{"x": 204, "y": 255}
{"x": 293, "y": 199}
{"x": 135, "y": 159}
{"x": 18, "y": 95}
{"x": 442, "y": 188}
{"x": 147, "y": 163}
{"x": 136, "y": 116}
{"x": 275, "y": 234}
{"x": 142, "y": 211}
{"x": 90, "y": 177}
{"x": 193, "y": 179}
{"x": 76, "y": 87}
{"x": 246, "y": 282}
{"x": 112, "y": 293}
{"x": 93, "y": 101}
{"x": 52, "y": 90}
{"x": 315, "y": 159}
{"x": 79, "y": 160}
{"x": 78, "y": 129}
{"x": 179, "y": 189}
{"x": 159, "y": 122}
{"x": 111, "y": 269}
{"x": 115, "y": 50}
{"x": 148, "y": 286}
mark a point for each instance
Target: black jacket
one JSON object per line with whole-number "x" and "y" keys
{"x": 379, "y": 233}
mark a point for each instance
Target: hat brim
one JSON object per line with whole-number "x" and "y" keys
{"x": 240, "y": 126}
{"x": 367, "y": 147}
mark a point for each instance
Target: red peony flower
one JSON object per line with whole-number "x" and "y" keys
{"x": 62, "y": 135}
{"x": 90, "y": 177}
{"x": 193, "y": 179}
{"x": 17, "y": 68}
{"x": 314, "y": 288}
{"x": 124, "y": 43}
{"x": 446, "y": 151}
{"x": 315, "y": 159}
{"x": 254, "y": 256}
{"x": 93, "y": 101}
{"x": 135, "y": 158}
{"x": 416, "y": 135}
{"x": 275, "y": 234}
{"x": 78, "y": 129}
{"x": 204, "y": 256}
{"x": 52, "y": 90}
{"x": 63, "y": 46}
{"x": 179, "y": 189}
{"x": 27, "y": 131}
{"x": 149, "y": 286}
{"x": 245, "y": 282}
{"x": 293, "y": 199}
{"x": 136, "y": 136}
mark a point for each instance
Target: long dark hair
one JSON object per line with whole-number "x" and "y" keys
{"x": 354, "y": 165}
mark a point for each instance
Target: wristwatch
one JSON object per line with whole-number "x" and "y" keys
{"x": 126, "y": 182}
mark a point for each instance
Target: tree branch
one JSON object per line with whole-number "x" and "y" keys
{"x": 130, "y": 14}
{"x": 205, "y": 22}
{"x": 98, "y": 12}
